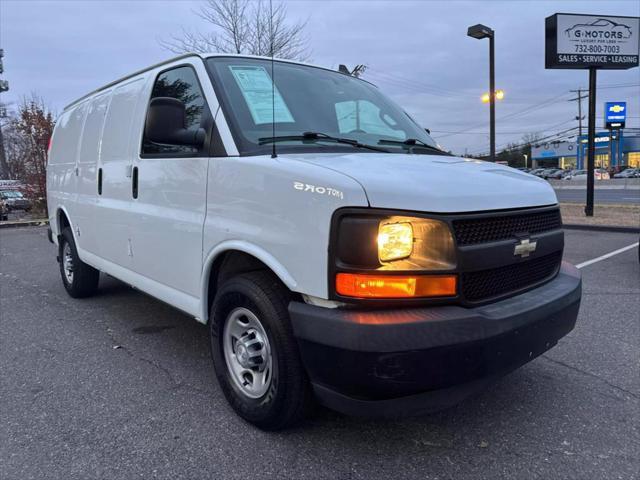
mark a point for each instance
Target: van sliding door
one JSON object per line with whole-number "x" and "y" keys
{"x": 87, "y": 181}
{"x": 113, "y": 213}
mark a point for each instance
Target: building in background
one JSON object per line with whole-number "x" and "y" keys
{"x": 614, "y": 149}
{"x": 622, "y": 151}
{"x": 559, "y": 154}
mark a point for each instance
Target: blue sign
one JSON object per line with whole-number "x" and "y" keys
{"x": 615, "y": 114}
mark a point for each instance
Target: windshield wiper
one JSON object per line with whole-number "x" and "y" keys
{"x": 315, "y": 136}
{"x": 413, "y": 142}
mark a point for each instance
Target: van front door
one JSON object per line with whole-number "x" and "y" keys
{"x": 172, "y": 191}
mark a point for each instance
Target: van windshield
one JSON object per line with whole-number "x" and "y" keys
{"x": 309, "y": 99}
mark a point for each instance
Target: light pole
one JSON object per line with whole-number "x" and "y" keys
{"x": 479, "y": 32}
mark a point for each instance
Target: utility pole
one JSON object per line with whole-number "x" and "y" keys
{"x": 579, "y": 100}
{"x": 4, "y": 86}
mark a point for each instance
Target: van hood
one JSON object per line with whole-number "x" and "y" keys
{"x": 436, "y": 183}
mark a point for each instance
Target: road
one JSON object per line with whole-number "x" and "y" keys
{"x": 609, "y": 195}
{"x": 120, "y": 386}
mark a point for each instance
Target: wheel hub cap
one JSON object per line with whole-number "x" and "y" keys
{"x": 247, "y": 352}
{"x": 67, "y": 263}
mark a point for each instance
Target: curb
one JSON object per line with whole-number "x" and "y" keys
{"x": 583, "y": 186}
{"x": 27, "y": 223}
{"x": 601, "y": 228}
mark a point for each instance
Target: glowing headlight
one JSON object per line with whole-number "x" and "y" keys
{"x": 395, "y": 241}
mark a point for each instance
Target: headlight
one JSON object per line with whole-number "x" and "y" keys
{"x": 378, "y": 254}
{"x": 395, "y": 241}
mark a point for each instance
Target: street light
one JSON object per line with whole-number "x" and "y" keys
{"x": 486, "y": 97}
{"x": 479, "y": 32}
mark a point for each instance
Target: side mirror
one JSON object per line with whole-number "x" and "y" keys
{"x": 166, "y": 120}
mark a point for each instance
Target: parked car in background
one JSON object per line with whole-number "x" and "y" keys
{"x": 537, "y": 171}
{"x": 15, "y": 200}
{"x": 557, "y": 175}
{"x": 4, "y": 211}
{"x": 576, "y": 174}
{"x": 548, "y": 173}
{"x": 599, "y": 174}
{"x": 628, "y": 173}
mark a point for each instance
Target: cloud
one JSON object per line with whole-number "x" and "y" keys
{"x": 417, "y": 52}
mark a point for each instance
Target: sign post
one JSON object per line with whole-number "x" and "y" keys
{"x": 591, "y": 145}
{"x": 575, "y": 41}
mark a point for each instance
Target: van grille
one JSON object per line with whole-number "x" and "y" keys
{"x": 501, "y": 281}
{"x": 491, "y": 229}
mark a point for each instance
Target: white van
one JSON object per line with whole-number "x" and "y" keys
{"x": 335, "y": 251}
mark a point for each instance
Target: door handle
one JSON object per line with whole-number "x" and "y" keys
{"x": 100, "y": 181}
{"x": 134, "y": 182}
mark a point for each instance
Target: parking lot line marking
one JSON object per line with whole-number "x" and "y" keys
{"x": 607, "y": 255}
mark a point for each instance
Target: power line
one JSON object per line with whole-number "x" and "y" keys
{"x": 627, "y": 85}
{"x": 532, "y": 129}
{"x": 431, "y": 89}
{"x": 560, "y": 135}
{"x": 524, "y": 111}
{"x": 549, "y": 139}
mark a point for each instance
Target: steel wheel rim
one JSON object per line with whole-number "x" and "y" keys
{"x": 67, "y": 262}
{"x": 247, "y": 352}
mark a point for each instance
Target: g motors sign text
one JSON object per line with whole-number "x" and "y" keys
{"x": 583, "y": 41}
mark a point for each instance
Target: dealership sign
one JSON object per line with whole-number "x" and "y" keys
{"x": 615, "y": 114}
{"x": 584, "y": 41}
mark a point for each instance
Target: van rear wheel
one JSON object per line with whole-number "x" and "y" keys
{"x": 79, "y": 279}
{"x": 255, "y": 355}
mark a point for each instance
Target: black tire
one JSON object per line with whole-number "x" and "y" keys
{"x": 84, "y": 279}
{"x": 288, "y": 397}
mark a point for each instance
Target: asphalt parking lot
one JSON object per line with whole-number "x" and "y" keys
{"x": 120, "y": 386}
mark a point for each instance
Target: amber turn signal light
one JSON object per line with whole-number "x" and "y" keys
{"x": 395, "y": 286}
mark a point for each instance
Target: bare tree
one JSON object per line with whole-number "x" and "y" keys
{"x": 244, "y": 26}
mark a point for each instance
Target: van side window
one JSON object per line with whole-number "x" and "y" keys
{"x": 182, "y": 84}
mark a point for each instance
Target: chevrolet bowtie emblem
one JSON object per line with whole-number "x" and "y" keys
{"x": 524, "y": 248}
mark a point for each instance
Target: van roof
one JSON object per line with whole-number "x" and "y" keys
{"x": 180, "y": 57}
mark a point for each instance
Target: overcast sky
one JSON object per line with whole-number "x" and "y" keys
{"x": 416, "y": 51}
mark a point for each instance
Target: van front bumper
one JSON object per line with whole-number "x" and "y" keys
{"x": 416, "y": 360}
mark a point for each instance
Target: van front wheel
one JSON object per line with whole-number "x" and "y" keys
{"x": 79, "y": 279}
{"x": 255, "y": 355}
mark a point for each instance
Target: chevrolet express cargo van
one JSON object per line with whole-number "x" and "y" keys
{"x": 334, "y": 250}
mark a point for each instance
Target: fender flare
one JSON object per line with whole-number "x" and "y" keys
{"x": 246, "y": 247}
{"x": 61, "y": 208}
